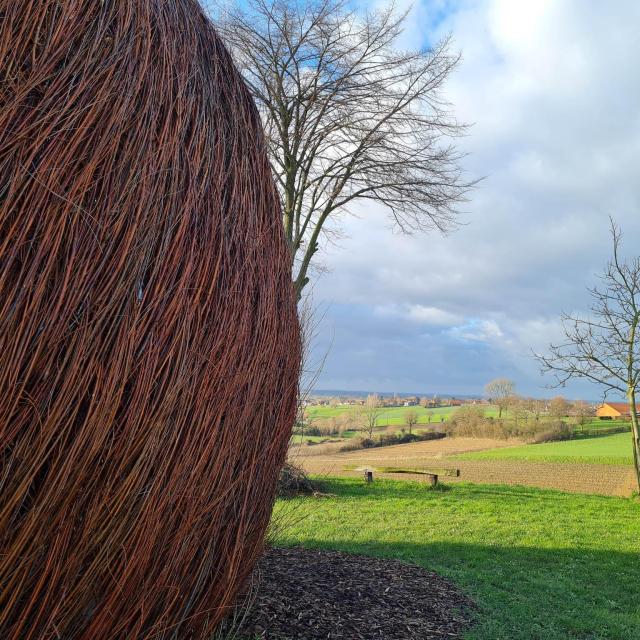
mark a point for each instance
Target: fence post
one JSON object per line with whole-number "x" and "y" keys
{"x": 368, "y": 475}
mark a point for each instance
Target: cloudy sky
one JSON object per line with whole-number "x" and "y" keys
{"x": 553, "y": 89}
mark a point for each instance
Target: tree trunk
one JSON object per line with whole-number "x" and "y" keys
{"x": 636, "y": 436}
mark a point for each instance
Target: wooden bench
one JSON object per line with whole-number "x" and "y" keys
{"x": 430, "y": 476}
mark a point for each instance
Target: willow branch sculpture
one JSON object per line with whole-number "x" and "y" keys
{"x": 149, "y": 352}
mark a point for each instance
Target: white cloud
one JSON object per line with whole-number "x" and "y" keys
{"x": 420, "y": 314}
{"x": 432, "y": 315}
{"x": 552, "y": 88}
{"x": 478, "y": 331}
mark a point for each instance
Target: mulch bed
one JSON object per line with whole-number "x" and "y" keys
{"x": 305, "y": 594}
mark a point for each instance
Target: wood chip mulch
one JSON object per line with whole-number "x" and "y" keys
{"x": 306, "y": 595}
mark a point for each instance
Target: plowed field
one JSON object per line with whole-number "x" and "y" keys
{"x": 436, "y": 456}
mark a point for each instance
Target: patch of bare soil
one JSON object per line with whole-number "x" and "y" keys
{"x": 610, "y": 480}
{"x": 307, "y": 595}
{"x": 411, "y": 454}
{"x": 606, "y": 480}
{"x": 297, "y": 450}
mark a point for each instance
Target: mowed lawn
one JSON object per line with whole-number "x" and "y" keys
{"x": 608, "y": 449}
{"x": 540, "y": 564}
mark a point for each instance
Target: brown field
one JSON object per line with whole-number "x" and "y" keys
{"x": 419, "y": 450}
{"x": 615, "y": 480}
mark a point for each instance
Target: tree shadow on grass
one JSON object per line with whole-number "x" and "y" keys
{"x": 541, "y": 583}
{"x": 530, "y": 593}
{"x": 591, "y": 435}
{"x": 407, "y": 489}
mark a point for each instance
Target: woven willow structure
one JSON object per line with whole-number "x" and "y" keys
{"x": 149, "y": 346}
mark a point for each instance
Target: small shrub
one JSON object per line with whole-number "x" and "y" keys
{"x": 557, "y": 430}
{"x": 387, "y": 439}
{"x": 473, "y": 424}
{"x": 294, "y": 481}
{"x": 357, "y": 443}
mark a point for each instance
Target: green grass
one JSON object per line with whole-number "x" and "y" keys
{"x": 609, "y": 449}
{"x": 345, "y": 435}
{"x": 540, "y": 564}
{"x": 297, "y": 439}
{"x": 395, "y": 416}
{"x": 390, "y": 416}
{"x": 595, "y": 425}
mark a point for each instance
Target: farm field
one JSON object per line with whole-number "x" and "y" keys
{"x": 389, "y": 416}
{"x": 330, "y": 452}
{"x": 595, "y": 424}
{"x": 394, "y": 416}
{"x": 540, "y": 564}
{"x": 608, "y": 449}
{"x": 343, "y": 437}
{"x": 578, "y": 474}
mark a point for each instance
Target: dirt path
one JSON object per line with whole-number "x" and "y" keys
{"x": 612, "y": 480}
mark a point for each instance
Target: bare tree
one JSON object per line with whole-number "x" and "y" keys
{"x": 559, "y": 407}
{"x": 346, "y": 421}
{"x": 500, "y": 391}
{"x": 537, "y": 406}
{"x": 371, "y": 412}
{"x": 582, "y": 411}
{"x": 348, "y": 116}
{"x": 304, "y": 421}
{"x": 310, "y": 370}
{"x": 518, "y": 408}
{"x": 604, "y": 347}
{"x": 410, "y": 419}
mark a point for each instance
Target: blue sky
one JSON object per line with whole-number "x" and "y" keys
{"x": 552, "y": 89}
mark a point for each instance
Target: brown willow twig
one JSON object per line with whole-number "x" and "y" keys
{"x": 149, "y": 345}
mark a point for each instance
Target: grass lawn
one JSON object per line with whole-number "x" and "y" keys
{"x": 608, "y": 449}
{"x": 540, "y": 564}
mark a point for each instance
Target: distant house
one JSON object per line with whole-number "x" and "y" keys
{"x": 613, "y": 411}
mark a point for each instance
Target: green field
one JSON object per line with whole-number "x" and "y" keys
{"x": 608, "y": 449}
{"x": 395, "y": 416}
{"x": 595, "y": 424}
{"x": 540, "y": 564}
{"x": 347, "y": 435}
{"x": 389, "y": 416}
